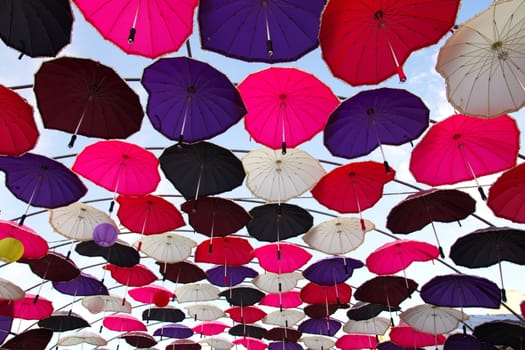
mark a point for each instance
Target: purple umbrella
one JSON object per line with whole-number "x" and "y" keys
{"x": 331, "y": 271}
{"x": 465, "y": 341}
{"x": 461, "y": 291}
{"x": 260, "y": 31}
{"x": 190, "y": 100}
{"x": 374, "y": 118}
{"x": 227, "y": 276}
{"x": 82, "y": 285}
{"x": 284, "y": 345}
{"x": 388, "y": 345}
{"x": 322, "y": 326}
{"x": 5, "y": 327}
{"x": 41, "y": 181}
{"x": 174, "y": 330}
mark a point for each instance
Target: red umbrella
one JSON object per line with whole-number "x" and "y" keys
{"x": 286, "y": 106}
{"x": 506, "y": 195}
{"x": 284, "y": 300}
{"x": 462, "y": 148}
{"x": 228, "y": 251}
{"x": 245, "y": 314}
{"x": 136, "y": 276}
{"x": 123, "y": 323}
{"x": 408, "y": 337}
{"x": 210, "y": 328}
{"x": 147, "y": 28}
{"x": 395, "y": 256}
{"x": 27, "y": 308}
{"x": 35, "y": 247}
{"x": 281, "y": 257}
{"x": 356, "y": 341}
{"x": 148, "y": 214}
{"x": 151, "y": 294}
{"x": 313, "y": 293}
{"x": 19, "y": 133}
{"x": 366, "y": 42}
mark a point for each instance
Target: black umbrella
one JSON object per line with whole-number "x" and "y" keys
{"x": 163, "y": 314}
{"x": 201, "y": 169}
{"x": 275, "y": 222}
{"x": 33, "y": 339}
{"x": 490, "y": 246}
{"x": 36, "y": 28}
{"x": 61, "y": 321}
{"x": 283, "y": 334}
{"x": 361, "y": 310}
{"x": 242, "y": 296}
{"x": 505, "y": 332}
{"x": 119, "y": 254}
{"x": 244, "y": 330}
{"x": 322, "y": 310}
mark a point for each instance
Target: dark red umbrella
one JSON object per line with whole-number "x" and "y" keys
{"x": 137, "y": 275}
{"x": 245, "y": 314}
{"x": 181, "y": 272}
{"x": 183, "y": 344}
{"x": 322, "y": 309}
{"x": 228, "y": 251}
{"x": 313, "y": 293}
{"x": 139, "y": 339}
{"x": 283, "y": 334}
{"x": 53, "y": 267}
{"x": 506, "y": 195}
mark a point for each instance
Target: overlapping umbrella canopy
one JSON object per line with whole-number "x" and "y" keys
{"x": 239, "y": 251}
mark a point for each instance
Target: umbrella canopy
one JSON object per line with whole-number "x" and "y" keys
{"x": 373, "y": 118}
{"x": 137, "y": 275}
{"x": 284, "y": 345}
{"x": 338, "y": 236}
{"x": 276, "y": 222}
{"x": 281, "y": 257}
{"x": 388, "y": 345}
{"x": 163, "y": 314}
{"x": 461, "y": 148}
{"x": 317, "y": 342}
{"x": 245, "y": 314}
{"x": 82, "y": 285}
{"x": 465, "y": 341}
{"x": 321, "y": 326}
{"x": 147, "y": 28}
{"x": 487, "y": 40}
{"x": 242, "y": 296}
{"x": 20, "y": 133}
{"x": 277, "y": 177}
{"x": 386, "y": 290}
{"x": 408, "y": 337}
{"x": 284, "y": 300}
{"x": 283, "y": 334}
{"x": 433, "y": 319}
{"x": 210, "y": 328}
{"x": 251, "y": 343}
{"x": 284, "y": 318}
{"x": 196, "y": 292}
{"x": 10, "y": 291}
{"x": 148, "y": 214}
{"x": 183, "y": 344}
{"x": 374, "y": 325}
{"x": 228, "y": 276}
{"x": 356, "y": 341}
{"x": 106, "y": 303}
{"x": 277, "y": 282}
{"x": 122, "y": 323}
{"x": 29, "y": 307}
{"x": 32, "y": 339}
{"x": 119, "y": 167}
{"x": 368, "y": 41}
{"x": 244, "y": 330}
{"x": 174, "y": 330}
{"x": 139, "y": 339}
{"x": 83, "y": 336}
{"x": 84, "y": 97}
{"x": 120, "y": 253}
{"x": 152, "y": 294}
{"x": 323, "y": 310}
{"x": 504, "y": 332}
{"x": 201, "y": 169}
{"x": 330, "y": 271}
{"x": 189, "y": 100}
{"x": 364, "y": 311}
{"x": 276, "y": 31}
{"x": 286, "y": 106}
{"x": 218, "y": 343}
{"x": 505, "y": 195}
{"x": 62, "y": 321}
{"x": 34, "y": 246}
{"x": 166, "y": 247}
{"x": 53, "y": 267}
{"x": 36, "y": 29}
{"x": 204, "y": 312}
{"x": 182, "y": 272}
{"x": 313, "y": 293}
{"x": 228, "y": 251}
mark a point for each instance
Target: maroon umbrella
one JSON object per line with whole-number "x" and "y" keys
{"x": 181, "y": 272}
{"x": 33, "y": 339}
{"x": 139, "y": 339}
{"x": 283, "y": 334}
{"x": 53, "y": 267}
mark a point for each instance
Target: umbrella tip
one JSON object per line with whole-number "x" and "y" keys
{"x": 387, "y": 167}
{"x": 401, "y": 74}
{"x": 503, "y": 295}
{"x": 283, "y": 148}
{"x": 482, "y": 193}
{"x": 269, "y": 47}
{"x": 441, "y": 252}
{"x": 131, "y": 37}
{"x": 72, "y": 141}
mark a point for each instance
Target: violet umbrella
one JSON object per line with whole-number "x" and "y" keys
{"x": 284, "y": 345}
{"x": 273, "y": 31}
{"x": 174, "y": 330}
{"x": 460, "y": 341}
{"x": 228, "y": 276}
{"x": 41, "y": 181}
{"x": 322, "y": 326}
{"x": 189, "y": 100}
{"x": 6, "y": 322}
{"x": 373, "y": 118}
{"x": 82, "y": 285}
{"x": 330, "y": 271}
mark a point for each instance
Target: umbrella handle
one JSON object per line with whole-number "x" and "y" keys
{"x": 131, "y": 36}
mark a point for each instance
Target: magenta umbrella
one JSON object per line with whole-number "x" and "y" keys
{"x": 35, "y": 246}
{"x": 281, "y": 257}
{"x": 123, "y": 323}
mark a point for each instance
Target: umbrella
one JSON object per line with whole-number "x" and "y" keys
{"x": 369, "y": 41}
{"x": 228, "y": 276}
{"x": 35, "y": 28}
{"x": 106, "y": 303}
{"x": 461, "y": 148}
{"x": 27, "y": 308}
{"x": 277, "y": 282}
{"x": 201, "y": 169}
{"x": 181, "y": 272}
{"x": 196, "y": 292}
{"x": 151, "y": 28}
{"x": 120, "y": 253}
{"x": 374, "y": 325}
{"x": 10, "y": 291}
{"x": 426, "y": 206}
{"x": 82, "y": 285}
{"x": 242, "y": 296}
{"x": 338, "y": 236}
{"x": 41, "y": 181}
{"x": 286, "y": 106}
{"x": 361, "y": 311}
{"x": 276, "y": 222}
{"x": 373, "y": 118}
{"x": 119, "y": 167}
{"x": 482, "y": 64}
{"x": 284, "y": 318}
{"x": 138, "y": 339}
{"x": 53, "y": 267}
{"x": 217, "y": 343}
{"x": 228, "y": 251}
{"x": 269, "y": 32}
{"x": 356, "y": 341}
{"x": 322, "y": 326}
{"x": 183, "y": 344}
{"x": 395, "y": 256}
{"x": 505, "y": 332}
{"x": 84, "y": 97}
{"x": 137, "y": 275}
{"x": 330, "y": 271}
{"x": 77, "y": 221}
{"x": 152, "y": 294}
{"x": 35, "y": 247}
{"x": 210, "y": 328}
{"x": 20, "y": 133}
{"x": 284, "y": 300}
{"x": 166, "y": 247}
{"x": 148, "y": 214}
{"x": 433, "y": 319}
{"x": 388, "y": 345}
{"x": 459, "y": 290}
{"x": 251, "y": 343}
{"x": 122, "y": 323}
{"x": 163, "y": 314}
{"x": 83, "y": 336}
{"x": 486, "y": 247}
{"x": 317, "y": 342}
{"x": 408, "y": 337}
{"x": 215, "y": 216}
{"x": 283, "y": 334}
{"x": 245, "y": 314}
{"x": 277, "y": 177}
{"x": 323, "y": 310}
{"x": 189, "y": 100}
{"x": 284, "y": 345}
{"x": 174, "y": 330}
{"x": 464, "y": 341}
{"x": 204, "y": 312}
{"x": 32, "y": 339}
{"x": 244, "y": 330}
{"x": 505, "y": 195}
{"x": 281, "y": 257}
{"x": 62, "y": 321}
{"x": 313, "y": 293}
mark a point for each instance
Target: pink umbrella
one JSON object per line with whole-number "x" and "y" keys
{"x": 395, "y": 256}
{"x": 286, "y": 300}
{"x": 150, "y": 293}
{"x": 210, "y": 328}
{"x": 123, "y": 323}
{"x": 28, "y": 308}
{"x": 356, "y": 341}
{"x": 407, "y": 336}
{"x": 35, "y": 247}
{"x": 148, "y": 28}
{"x": 251, "y": 343}
{"x": 286, "y": 106}
{"x": 281, "y": 257}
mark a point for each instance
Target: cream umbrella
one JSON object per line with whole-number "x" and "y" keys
{"x": 217, "y": 343}
{"x": 433, "y": 319}
{"x": 284, "y": 318}
{"x": 166, "y": 247}
{"x": 10, "y": 291}
{"x": 375, "y": 325}
{"x": 196, "y": 292}
{"x": 204, "y": 312}
{"x": 277, "y": 282}
{"x": 317, "y": 342}
{"x": 83, "y": 336}
{"x": 105, "y": 303}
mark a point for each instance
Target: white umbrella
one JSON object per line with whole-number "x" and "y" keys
{"x": 375, "y": 325}
{"x": 277, "y": 282}
{"x": 217, "y": 343}
{"x": 277, "y": 177}
{"x": 166, "y": 247}
{"x": 105, "y": 303}
{"x": 284, "y": 318}
{"x": 204, "y": 312}
{"x": 317, "y": 342}
{"x": 196, "y": 292}
{"x": 83, "y": 336}
{"x": 10, "y": 291}
{"x": 433, "y": 319}
{"x": 483, "y": 61}
{"x": 337, "y": 236}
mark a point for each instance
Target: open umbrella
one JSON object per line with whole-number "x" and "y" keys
{"x": 204, "y": 312}
{"x": 277, "y": 31}
{"x": 330, "y": 271}
{"x": 505, "y": 195}
{"x": 32, "y": 339}
{"x": 137, "y": 275}
{"x": 166, "y": 247}
{"x": 505, "y": 332}
{"x": 82, "y": 285}
{"x": 242, "y": 296}
{"x": 163, "y": 314}
{"x": 323, "y": 310}
{"x": 388, "y": 345}
{"x": 34, "y": 246}
{"x": 139, "y": 339}
{"x": 251, "y": 343}
{"x": 181, "y": 272}
{"x": 286, "y": 106}
{"x": 27, "y": 308}
{"x": 374, "y": 325}
{"x": 147, "y": 28}
{"x": 36, "y": 28}
{"x": 106, "y": 303}
{"x": 120, "y": 253}
{"x": 183, "y": 344}
{"x": 196, "y": 292}
{"x": 245, "y": 314}
{"x": 283, "y": 334}
{"x": 284, "y": 300}
{"x": 482, "y": 63}
{"x": 356, "y": 341}
{"x": 281, "y": 257}
{"x": 407, "y": 336}
{"x": 122, "y": 323}
{"x": 53, "y": 267}
{"x": 218, "y": 343}
{"x": 364, "y": 311}
{"x": 433, "y": 319}
{"x": 366, "y": 42}
{"x": 83, "y": 336}
{"x": 322, "y": 326}
{"x": 285, "y": 345}
{"x": 284, "y": 318}
{"x": 189, "y": 100}
{"x": 313, "y": 293}
{"x": 465, "y": 341}
{"x": 10, "y": 291}
{"x": 317, "y": 342}
{"x": 247, "y": 330}
{"x": 461, "y": 148}
{"x": 228, "y": 251}
{"x": 373, "y": 118}
{"x": 277, "y": 282}
{"x": 174, "y": 330}
{"x": 210, "y": 328}
{"x": 228, "y": 276}
{"x": 152, "y": 294}
{"x": 20, "y": 133}
{"x": 62, "y": 321}
{"x": 84, "y": 97}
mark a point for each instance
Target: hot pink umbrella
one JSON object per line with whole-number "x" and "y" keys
{"x": 148, "y": 28}
{"x": 123, "y": 323}
{"x": 407, "y": 336}
{"x": 286, "y": 300}
{"x": 286, "y": 106}
{"x": 28, "y": 308}
{"x": 462, "y": 148}
{"x": 149, "y": 294}
{"x": 251, "y": 343}
{"x": 395, "y": 256}
{"x": 35, "y": 247}
{"x": 356, "y": 341}
{"x": 210, "y": 328}
{"x": 281, "y": 257}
